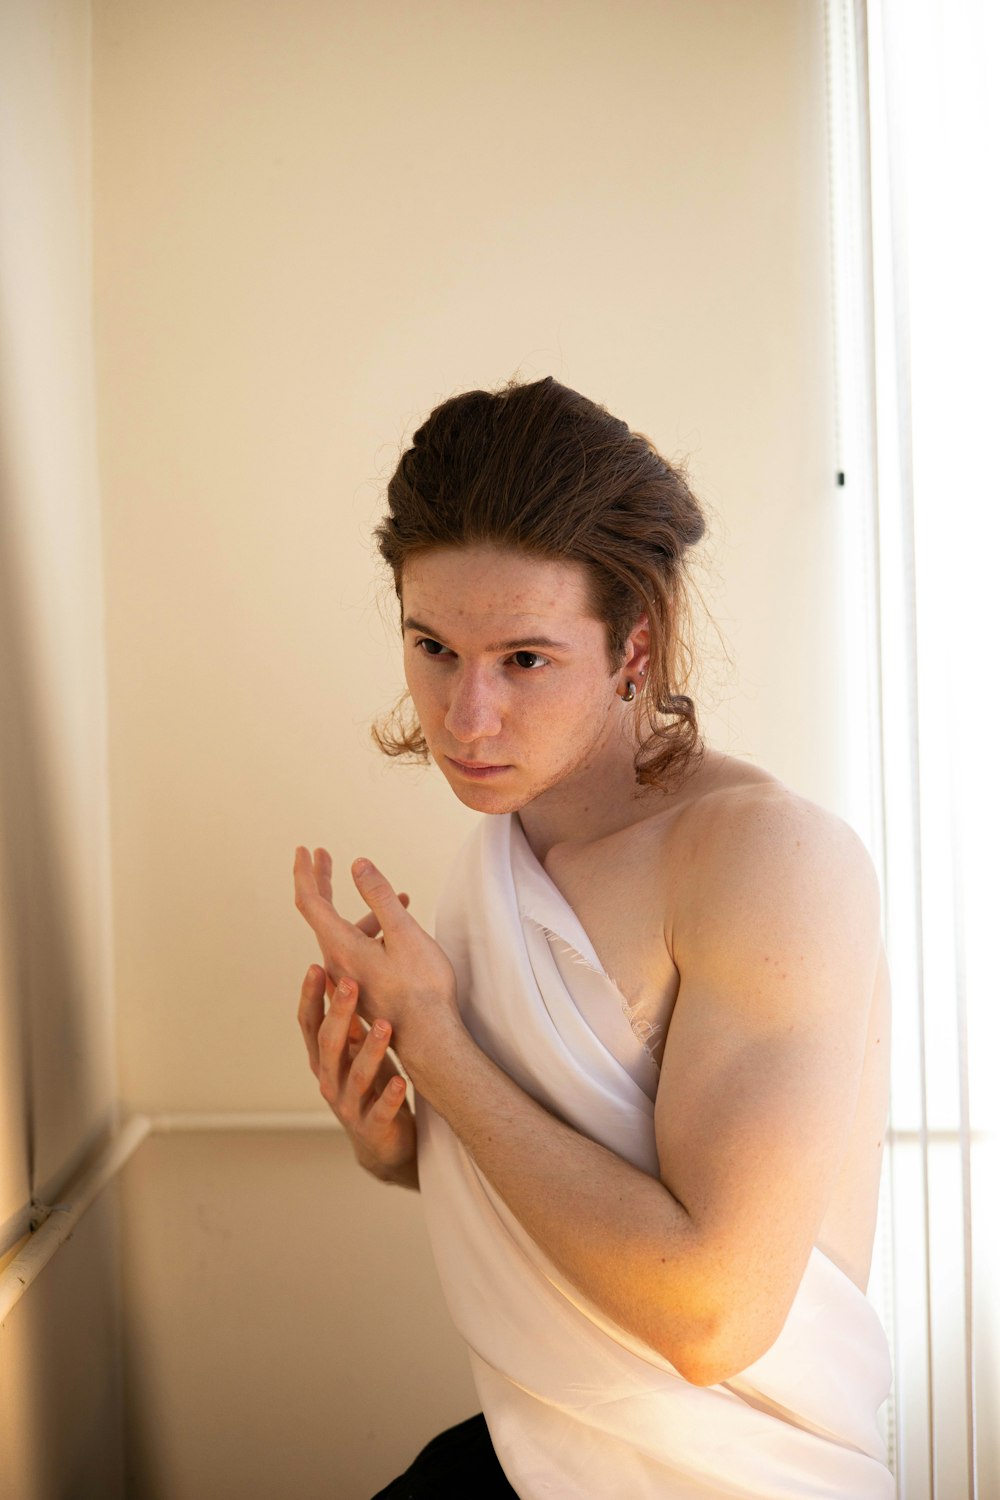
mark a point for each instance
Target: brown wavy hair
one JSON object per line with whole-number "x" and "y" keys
{"x": 539, "y": 467}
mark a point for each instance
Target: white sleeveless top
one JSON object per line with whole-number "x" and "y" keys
{"x": 576, "y": 1406}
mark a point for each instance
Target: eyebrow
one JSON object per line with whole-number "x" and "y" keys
{"x": 522, "y": 645}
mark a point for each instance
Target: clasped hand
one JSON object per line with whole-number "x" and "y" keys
{"x": 405, "y": 979}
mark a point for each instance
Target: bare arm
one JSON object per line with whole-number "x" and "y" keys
{"x": 776, "y": 943}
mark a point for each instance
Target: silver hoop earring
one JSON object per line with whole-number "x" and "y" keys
{"x": 629, "y": 695}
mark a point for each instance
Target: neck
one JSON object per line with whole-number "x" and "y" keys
{"x": 597, "y": 800}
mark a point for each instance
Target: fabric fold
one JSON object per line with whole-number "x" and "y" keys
{"x": 576, "y": 1405}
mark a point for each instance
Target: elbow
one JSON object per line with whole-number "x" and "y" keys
{"x": 719, "y": 1353}
{"x": 710, "y": 1324}
{"x": 700, "y": 1367}
{"x": 702, "y": 1364}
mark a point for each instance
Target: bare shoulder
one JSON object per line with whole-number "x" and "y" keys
{"x": 750, "y": 843}
{"x": 742, "y": 808}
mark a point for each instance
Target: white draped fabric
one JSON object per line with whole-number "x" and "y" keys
{"x": 577, "y": 1406}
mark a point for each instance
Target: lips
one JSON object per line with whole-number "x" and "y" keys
{"x": 478, "y": 770}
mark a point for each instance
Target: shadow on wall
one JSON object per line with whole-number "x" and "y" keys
{"x": 59, "y": 1345}
{"x": 49, "y": 982}
{"x": 60, "y": 1372}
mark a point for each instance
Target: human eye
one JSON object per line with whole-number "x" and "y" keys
{"x": 435, "y": 648}
{"x": 537, "y": 660}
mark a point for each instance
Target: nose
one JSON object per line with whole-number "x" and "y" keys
{"x": 474, "y": 710}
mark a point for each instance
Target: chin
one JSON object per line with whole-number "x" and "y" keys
{"x": 482, "y": 797}
{"x": 488, "y": 799}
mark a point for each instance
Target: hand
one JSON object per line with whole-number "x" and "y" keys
{"x": 404, "y": 977}
{"x": 357, "y": 1078}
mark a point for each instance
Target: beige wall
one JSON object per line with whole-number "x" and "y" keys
{"x": 284, "y": 1331}
{"x": 55, "y": 919}
{"x": 311, "y": 222}
{"x": 314, "y": 221}
{"x": 60, "y": 1369}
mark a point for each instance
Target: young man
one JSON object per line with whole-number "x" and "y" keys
{"x": 649, "y": 1046}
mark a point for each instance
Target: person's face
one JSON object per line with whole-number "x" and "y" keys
{"x": 509, "y": 672}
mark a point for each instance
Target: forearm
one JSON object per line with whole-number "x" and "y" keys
{"x": 616, "y": 1233}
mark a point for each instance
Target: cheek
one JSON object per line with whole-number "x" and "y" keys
{"x": 570, "y": 719}
{"x": 423, "y": 686}
{"x": 412, "y": 674}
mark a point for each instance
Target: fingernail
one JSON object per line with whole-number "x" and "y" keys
{"x": 361, "y": 866}
{"x": 380, "y": 1029}
{"x": 343, "y": 988}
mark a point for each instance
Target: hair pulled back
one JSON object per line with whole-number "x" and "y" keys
{"x": 542, "y": 468}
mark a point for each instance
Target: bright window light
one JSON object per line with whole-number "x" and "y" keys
{"x": 918, "y": 329}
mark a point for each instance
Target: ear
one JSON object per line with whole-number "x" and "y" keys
{"x": 636, "y": 663}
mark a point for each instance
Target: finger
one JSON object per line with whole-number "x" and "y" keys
{"x": 386, "y": 1106}
{"x": 387, "y": 1073}
{"x": 323, "y": 870}
{"x": 380, "y": 896}
{"x": 355, "y": 1037}
{"x": 311, "y": 1012}
{"x": 339, "y": 940}
{"x": 309, "y": 899}
{"x": 355, "y": 1041}
{"x": 332, "y": 1035}
{"x": 368, "y": 1063}
{"x": 306, "y": 890}
{"x": 370, "y": 925}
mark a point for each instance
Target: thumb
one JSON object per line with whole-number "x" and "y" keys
{"x": 376, "y": 891}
